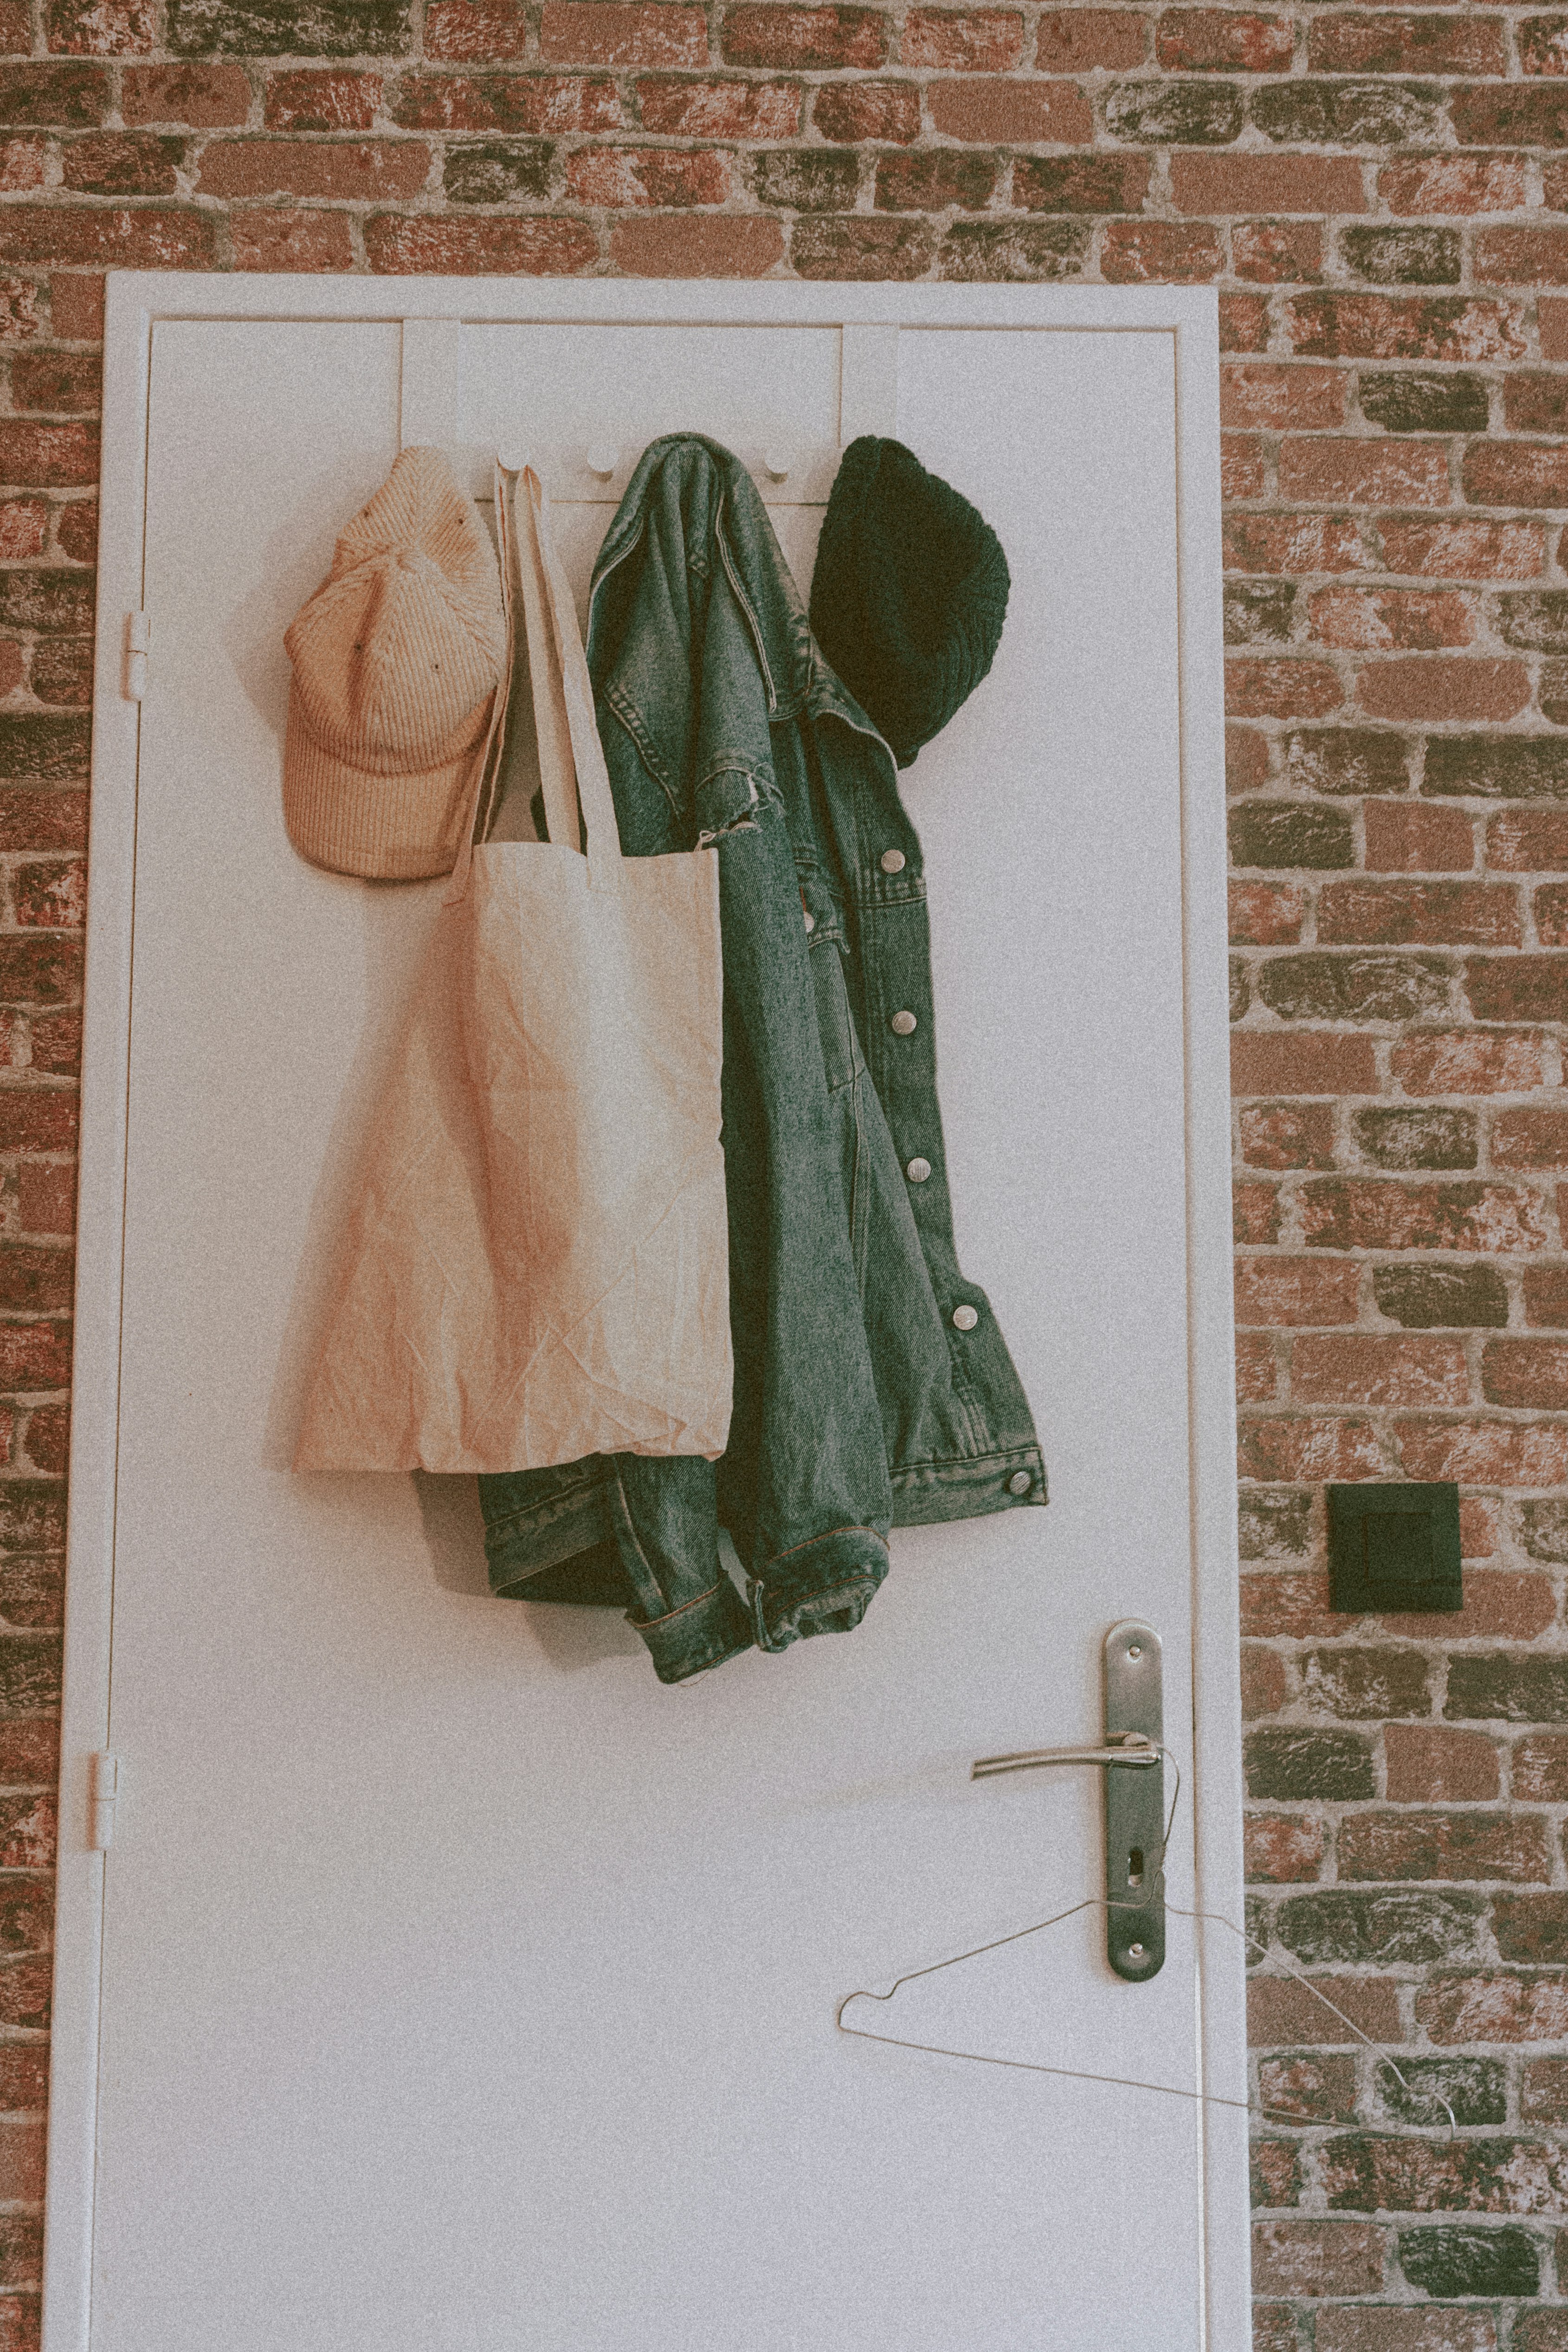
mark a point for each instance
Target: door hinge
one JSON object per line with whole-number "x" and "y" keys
{"x": 103, "y": 1790}
{"x": 136, "y": 641}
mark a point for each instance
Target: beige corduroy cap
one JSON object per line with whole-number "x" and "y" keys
{"x": 397, "y": 660}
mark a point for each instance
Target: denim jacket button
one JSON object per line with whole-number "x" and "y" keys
{"x": 893, "y": 861}
{"x": 918, "y": 1170}
{"x": 1019, "y": 1482}
{"x": 903, "y": 1024}
{"x": 965, "y": 1318}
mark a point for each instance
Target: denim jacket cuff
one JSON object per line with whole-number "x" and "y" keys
{"x": 701, "y": 1633}
{"x": 823, "y": 1587}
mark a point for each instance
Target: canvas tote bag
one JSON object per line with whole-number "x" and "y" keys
{"x": 536, "y": 1268}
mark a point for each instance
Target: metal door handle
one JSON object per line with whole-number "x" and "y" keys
{"x": 1134, "y": 1799}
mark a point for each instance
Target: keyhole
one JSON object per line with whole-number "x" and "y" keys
{"x": 1135, "y": 1866}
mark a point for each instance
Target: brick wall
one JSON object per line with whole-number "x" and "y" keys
{"x": 1380, "y": 194}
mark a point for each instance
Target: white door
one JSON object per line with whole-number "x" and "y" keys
{"x": 456, "y": 1984}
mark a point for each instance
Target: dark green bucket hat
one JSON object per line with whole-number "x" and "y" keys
{"x": 909, "y": 594}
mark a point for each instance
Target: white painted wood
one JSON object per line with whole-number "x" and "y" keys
{"x": 460, "y": 1984}
{"x": 428, "y": 381}
{"x": 868, "y": 380}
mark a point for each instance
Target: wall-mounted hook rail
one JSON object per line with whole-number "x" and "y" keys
{"x": 1133, "y": 1760}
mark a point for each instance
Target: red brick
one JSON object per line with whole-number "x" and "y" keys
{"x": 996, "y": 112}
{"x": 22, "y": 2159}
{"x": 76, "y": 307}
{"x": 200, "y": 97}
{"x": 24, "y": 528}
{"x": 1303, "y": 1451}
{"x": 1522, "y": 988}
{"x": 1257, "y": 1374}
{"x": 849, "y": 112}
{"x": 758, "y": 110}
{"x": 1386, "y": 41}
{"x": 1266, "y": 914}
{"x": 1228, "y": 40}
{"x": 1282, "y": 2011}
{"x": 1464, "y": 550}
{"x": 1266, "y": 394}
{"x": 1303, "y": 1062}
{"x": 150, "y": 237}
{"x": 1160, "y": 252}
{"x": 1531, "y": 1139}
{"x": 57, "y": 382}
{"x": 268, "y": 236}
{"x": 15, "y": 27}
{"x": 340, "y": 99}
{"x": 1316, "y": 2258}
{"x": 1262, "y": 1682}
{"x": 1381, "y": 472}
{"x": 1246, "y": 758}
{"x": 395, "y": 242}
{"x": 1522, "y": 257}
{"x": 793, "y": 36}
{"x": 1458, "y": 1847}
{"x": 1500, "y": 1604}
{"x": 956, "y": 40}
{"x": 533, "y": 102}
{"x": 1546, "y": 1297}
{"x": 1079, "y": 183}
{"x": 702, "y": 246}
{"x": 1554, "y": 319}
{"x": 1280, "y": 1848}
{"x": 1374, "y": 1212}
{"x": 54, "y": 456}
{"x": 1413, "y": 838}
{"x": 1277, "y": 253}
{"x": 1541, "y": 1769}
{"x": 1535, "y": 400}
{"x": 1266, "y": 687}
{"x": 1374, "y": 619}
{"x": 647, "y": 176}
{"x": 1516, "y": 473}
{"x": 848, "y": 246}
{"x": 1295, "y": 543}
{"x": 47, "y": 1195}
{"x": 1430, "y": 1764}
{"x": 1530, "y": 1372}
{"x": 33, "y": 1356}
{"x": 1417, "y": 186}
{"x": 1292, "y": 1604}
{"x": 1406, "y": 326}
{"x": 630, "y": 33}
{"x": 1244, "y": 322}
{"x": 100, "y": 28}
{"x": 1076, "y": 40}
{"x": 1243, "y": 466}
{"x": 1378, "y": 1368}
{"x": 1484, "y": 1453}
{"x": 1255, "y": 1214}
{"x": 12, "y": 661}
{"x": 1296, "y": 1290}
{"x": 490, "y": 30}
{"x": 933, "y": 179}
{"x": 350, "y": 170}
{"x": 22, "y": 162}
{"x": 56, "y": 1044}
{"x": 36, "y": 1119}
{"x": 1437, "y": 687}
{"x": 1494, "y": 2009}
{"x": 1267, "y": 183}
{"x": 1542, "y": 47}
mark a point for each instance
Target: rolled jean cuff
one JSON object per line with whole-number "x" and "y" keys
{"x": 701, "y": 1633}
{"x": 825, "y": 1586}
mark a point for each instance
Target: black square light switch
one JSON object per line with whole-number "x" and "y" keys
{"x": 1394, "y": 1548}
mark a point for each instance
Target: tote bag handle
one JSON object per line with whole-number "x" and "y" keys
{"x": 571, "y": 758}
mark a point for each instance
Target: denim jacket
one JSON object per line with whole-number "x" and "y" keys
{"x": 873, "y": 1387}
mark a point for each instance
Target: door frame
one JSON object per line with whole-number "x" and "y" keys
{"x": 137, "y": 300}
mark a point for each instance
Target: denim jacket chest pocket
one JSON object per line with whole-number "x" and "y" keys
{"x": 822, "y": 914}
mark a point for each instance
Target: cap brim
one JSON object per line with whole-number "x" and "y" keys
{"x": 389, "y": 828}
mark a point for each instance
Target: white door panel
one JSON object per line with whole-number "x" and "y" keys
{"x": 461, "y": 1986}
